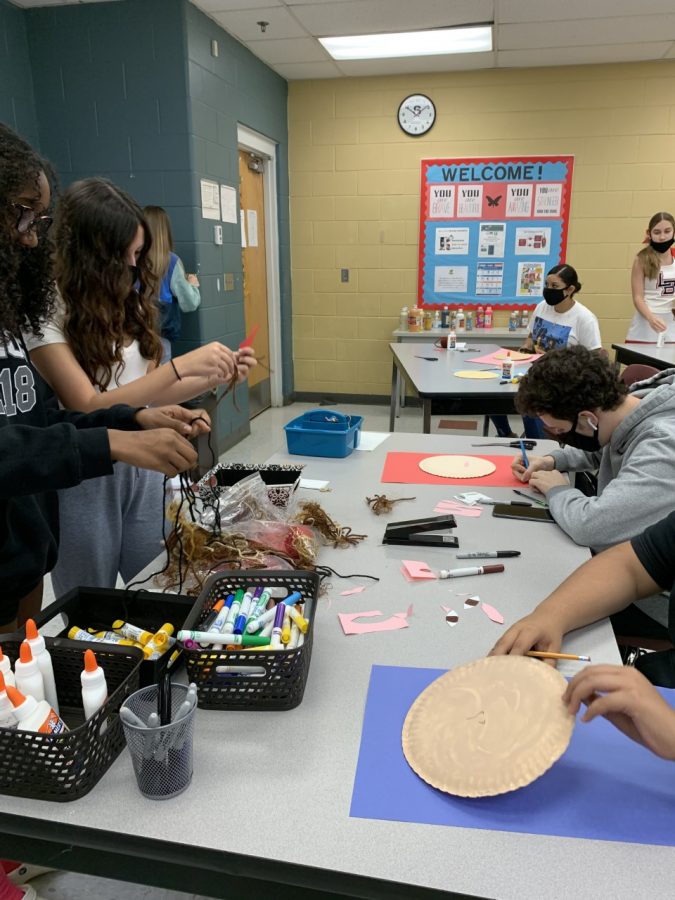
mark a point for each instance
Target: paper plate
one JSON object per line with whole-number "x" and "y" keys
{"x": 457, "y": 466}
{"x": 515, "y": 355}
{"x": 477, "y": 373}
{"x": 489, "y": 727}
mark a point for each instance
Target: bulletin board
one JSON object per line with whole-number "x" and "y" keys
{"x": 491, "y": 228}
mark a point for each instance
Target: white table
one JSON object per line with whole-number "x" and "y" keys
{"x": 437, "y": 381}
{"x": 646, "y": 355}
{"x": 267, "y": 814}
{"x": 504, "y": 336}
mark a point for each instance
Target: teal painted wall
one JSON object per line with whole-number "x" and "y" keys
{"x": 17, "y": 102}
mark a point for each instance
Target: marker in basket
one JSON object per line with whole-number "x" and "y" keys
{"x": 132, "y": 632}
{"x": 286, "y": 628}
{"x": 295, "y": 634}
{"x": 470, "y": 570}
{"x": 298, "y": 619}
{"x": 275, "y": 640}
{"x": 228, "y": 627}
{"x": 255, "y": 624}
{"x": 192, "y": 639}
{"x": 244, "y": 612}
{"x": 211, "y": 617}
{"x": 261, "y": 605}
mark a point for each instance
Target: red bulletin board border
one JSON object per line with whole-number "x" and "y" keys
{"x": 483, "y": 160}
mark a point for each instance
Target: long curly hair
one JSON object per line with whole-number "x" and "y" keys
{"x": 106, "y": 301}
{"x": 27, "y": 293}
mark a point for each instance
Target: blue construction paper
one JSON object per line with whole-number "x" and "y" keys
{"x": 604, "y": 787}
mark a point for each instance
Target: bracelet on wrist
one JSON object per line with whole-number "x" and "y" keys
{"x": 173, "y": 366}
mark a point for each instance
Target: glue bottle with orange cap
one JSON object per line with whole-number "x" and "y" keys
{"x": 94, "y": 686}
{"x": 27, "y": 673}
{"x": 7, "y": 717}
{"x": 34, "y": 715}
{"x": 6, "y": 669}
{"x": 41, "y": 655}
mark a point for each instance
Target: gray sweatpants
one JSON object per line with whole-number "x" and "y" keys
{"x": 109, "y": 525}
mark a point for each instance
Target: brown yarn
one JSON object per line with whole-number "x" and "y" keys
{"x": 380, "y": 503}
{"x": 311, "y": 513}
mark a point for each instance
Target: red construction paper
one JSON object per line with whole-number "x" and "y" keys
{"x": 251, "y": 337}
{"x": 403, "y": 468}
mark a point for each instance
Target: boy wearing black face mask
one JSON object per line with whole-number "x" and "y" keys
{"x": 628, "y": 435}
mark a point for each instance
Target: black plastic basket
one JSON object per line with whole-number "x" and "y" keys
{"x": 283, "y": 684}
{"x": 99, "y": 607}
{"x": 67, "y": 766}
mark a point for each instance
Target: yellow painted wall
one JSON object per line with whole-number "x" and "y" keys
{"x": 354, "y": 184}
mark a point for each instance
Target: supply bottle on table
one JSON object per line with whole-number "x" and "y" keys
{"x": 513, "y": 321}
{"x": 94, "y": 687}
{"x": 460, "y": 319}
{"x": 33, "y": 715}
{"x": 452, "y": 340}
{"x": 480, "y": 317}
{"x": 524, "y": 318}
{"x": 403, "y": 319}
{"x": 469, "y": 320}
{"x": 445, "y": 317}
{"x": 428, "y": 319}
{"x": 7, "y": 717}
{"x": 6, "y": 669}
{"x": 41, "y": 655}
{"x": 27, "y": 673}
{"x": 507, "y": 368}
{"x": 437, "y": 320}
{"x": 488, "y": 317}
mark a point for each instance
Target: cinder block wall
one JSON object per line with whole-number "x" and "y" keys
{"x": 354, "y": 183}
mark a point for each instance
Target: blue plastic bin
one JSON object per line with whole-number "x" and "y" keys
{"x": 322, "y": 432}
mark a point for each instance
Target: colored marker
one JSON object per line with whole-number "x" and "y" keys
{"x": 228, "y": 627}
{"x": 489, "y": 554}
{"x": 244, "y": 610}
{"x": 211, "y": 617}
{"x": 275, "y": 640}
{"x": 470, "y": 570}
{"x": 254, "y": 625}
{"x": 300, "y": 621}
{"x": 250, "y": 671}
{"x": 244, "y": 640}
{"x": 264, "y": 596}
{"x": 523, "y": 453}
{"x": 286, "y": 628}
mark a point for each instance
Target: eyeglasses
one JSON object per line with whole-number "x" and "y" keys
{"x": 28, "y": 220}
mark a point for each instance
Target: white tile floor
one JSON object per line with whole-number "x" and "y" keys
{"x": 267, "y": 437}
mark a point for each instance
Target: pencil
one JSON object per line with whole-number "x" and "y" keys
{"x": 524, "y": 454}
{"x": 545, "y": 654}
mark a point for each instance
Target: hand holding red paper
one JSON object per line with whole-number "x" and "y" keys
{"x": 214, "y": 361}
{"x": 624, "y": 696}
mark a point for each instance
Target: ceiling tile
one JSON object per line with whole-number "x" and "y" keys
{"x": 301, "y": 71}
{"x": 292, "y": 50}
{"x": 623, "y": 30}
{"x": 554, "y": 11}
{"x": 211, "y": 6}
{"x": 368, "y": 16}
{"x": 417, "y": 64}
{"x": 572, "y": 56}
{"x": 242, "y": 23}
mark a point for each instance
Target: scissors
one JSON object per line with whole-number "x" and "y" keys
{"x": 529, "y": 445}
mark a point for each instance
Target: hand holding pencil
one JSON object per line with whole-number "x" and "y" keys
{"x": 534, "y": 633}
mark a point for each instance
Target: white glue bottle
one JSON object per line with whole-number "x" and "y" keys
{"x": 507, "y": 367}
{"x": 452, "y": 339}
{"x": 27, "y": 673}
{"x": 6, "y": 669}
{"x": 44, "y": 661}
{"x": 35, "y": 716}
{"x": 7, "y": 717}
{"x": 94, "y": 687}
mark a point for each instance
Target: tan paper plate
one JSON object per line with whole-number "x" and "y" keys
{"x": 515, "y": 355}
{"x": 457, "y": 466}
{"x": 475, "y": 373}
{"x": 489, "y": 727}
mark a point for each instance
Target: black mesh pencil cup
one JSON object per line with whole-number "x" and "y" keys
{"x": 280, "y": 675}
{"x": 161, "y": 756}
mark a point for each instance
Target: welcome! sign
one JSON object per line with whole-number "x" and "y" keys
{"x": 490, "y": 229}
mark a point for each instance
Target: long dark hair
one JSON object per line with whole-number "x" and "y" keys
{"x": 27, "y": 292}
{"x": 106, "y": 302}
{"x": 567, "y": 274}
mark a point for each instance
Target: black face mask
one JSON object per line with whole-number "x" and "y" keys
{"x": 554, "y": 296}
{"x": 572, "y": 438}
{"x": 662, "y": 246}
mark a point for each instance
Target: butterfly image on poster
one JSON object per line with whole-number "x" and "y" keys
{"x": 493, "y": 201}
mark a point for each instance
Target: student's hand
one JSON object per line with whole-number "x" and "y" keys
{"x": 245, "y": 362}
{"x": 656, "y": 324}
{"x": 160, "y": 450}
{"x": 537, "y": 631}
{"x": 537, "y": 464}
{"x": 631, "y": 703}
{"x": 544, "y": 481}
{"x": 193, "y": 280}
{"x": 213, "y": 361}
{"x": 185, "y": 421}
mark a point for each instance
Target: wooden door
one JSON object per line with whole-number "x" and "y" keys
{"x": 252, "y": 198}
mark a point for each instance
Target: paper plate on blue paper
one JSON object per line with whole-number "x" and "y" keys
{"x": 489, "y": 727}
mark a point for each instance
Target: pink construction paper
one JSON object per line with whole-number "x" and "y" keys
{"x": 393, "y": 623}
{"x": 355, "y": 590}
{"x": 493, "y": 360}
{"x": 409, "y": 611}
{"x": 414, "y": 569}
{"x": 470, "y": 512}
{"x": 492, "y": 613}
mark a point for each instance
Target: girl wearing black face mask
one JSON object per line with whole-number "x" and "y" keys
{"x": 558, "y": 321}
{"x": 653, "y": 284}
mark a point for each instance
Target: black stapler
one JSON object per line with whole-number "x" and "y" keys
{"x": 412, "y": 532}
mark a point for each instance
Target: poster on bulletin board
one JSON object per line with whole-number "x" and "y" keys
{"x": 491, "y": 228}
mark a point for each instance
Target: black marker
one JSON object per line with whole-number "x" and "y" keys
{"x": 489, "y": 554}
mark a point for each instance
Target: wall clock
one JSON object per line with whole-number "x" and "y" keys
{"x": 416, "y": 114}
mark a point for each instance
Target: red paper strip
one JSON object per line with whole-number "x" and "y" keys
{"x": 251, "y": 337}
{"x": 403, "y": 468}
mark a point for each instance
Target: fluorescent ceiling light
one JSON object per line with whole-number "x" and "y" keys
{"x": 472, "y": 39}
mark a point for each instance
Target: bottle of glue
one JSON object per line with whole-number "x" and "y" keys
{"x": 27, "y": 674}
{"x": 41, "y": 655}
{"x": 7, "y": 717}
{"x": 94, "y": 687}
{"x": 6, "y": 669}
{"x": 33, "y": 715}
{"x": 507, "y": 368}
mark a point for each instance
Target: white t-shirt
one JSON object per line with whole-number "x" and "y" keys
{"x": 135, "y": 365}
{"x": 659, "y": 294}
{"x": 551, "y": 330}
